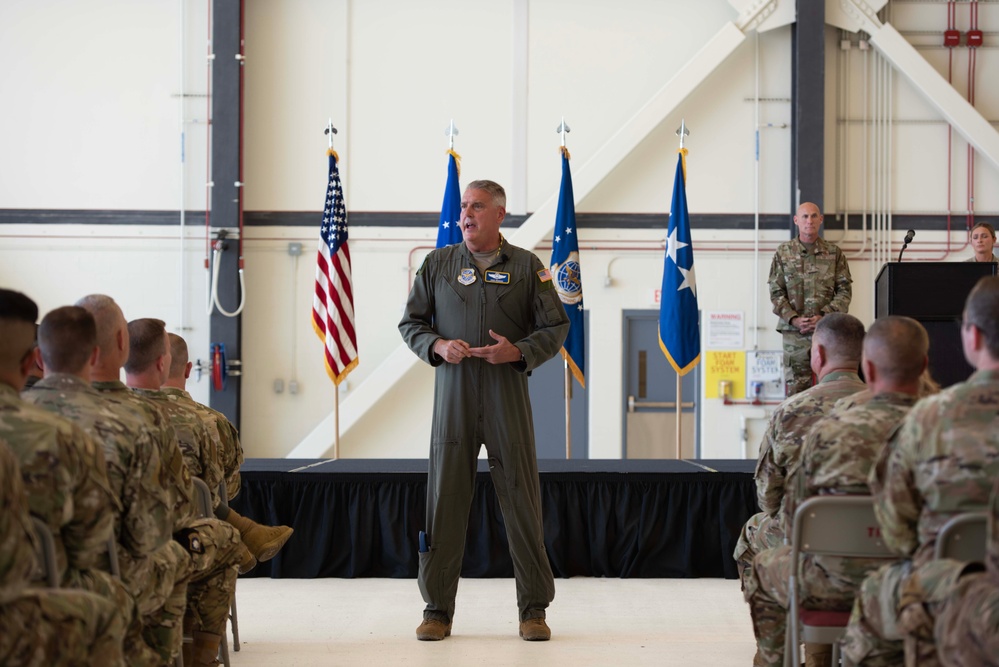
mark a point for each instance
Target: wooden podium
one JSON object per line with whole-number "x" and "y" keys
{"x": 932, "y": 293}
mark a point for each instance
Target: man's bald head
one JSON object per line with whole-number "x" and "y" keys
{"x": 897, "y": 347}
{"x": 18, "y": 314}
{"x": 67, "y": 337}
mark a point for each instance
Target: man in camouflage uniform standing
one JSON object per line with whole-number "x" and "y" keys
{"x": 212, "y": 549}
{"x": 835, "y": 358}
{"x": 941, "y": 462}
{"x": 262, "y": 541}
{"x": 809, "y": 278}
{"x": 147, "y": 554}
{"x": 65, "y": 477}
{"x": 836, "y": 458}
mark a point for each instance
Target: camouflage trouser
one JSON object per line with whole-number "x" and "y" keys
{"x": 797, "y": 362}
{"x": 53, "y": 627}
{"x": 760, "y": 533}
{"x": 966, "y": 622}
{"x": 159, "y": 583}
{"x": 137, "y": 651}
{"x": 873, "y": 637}
{"x": 828, "y": 584}
{"x": 215, "y": 569}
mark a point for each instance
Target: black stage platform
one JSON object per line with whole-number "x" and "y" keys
{"x": 603, "y": 518}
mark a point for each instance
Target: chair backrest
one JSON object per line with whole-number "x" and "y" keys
{"x": 204, "y": 497}
{"x": 113, "y": 557}
{"x": 963, "y": 537}
{"x": 47, "y": 556}
{"x": 838, "y": 526}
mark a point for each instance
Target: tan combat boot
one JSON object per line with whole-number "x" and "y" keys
{"x": 262, "y": 541}
{"x": 206, "y": 649}
{"x": 247, "y": 561}
{"x": 818, "y": 655}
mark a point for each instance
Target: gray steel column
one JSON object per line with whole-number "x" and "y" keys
{"x": 808, "y": 76}
{"x": 225, "y": 147}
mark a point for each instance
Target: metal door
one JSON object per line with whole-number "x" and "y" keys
{"x": 547, "y": 389}
{"x": 650, "y": 394}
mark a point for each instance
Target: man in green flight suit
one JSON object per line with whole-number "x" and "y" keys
{"x": 484, "y": 313}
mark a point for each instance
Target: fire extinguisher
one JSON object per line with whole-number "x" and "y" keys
{"x": 218, "y": 366}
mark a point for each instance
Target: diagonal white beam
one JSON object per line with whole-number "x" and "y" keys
{"x": 400, "y": 365}
{"x": 962, "y": 116}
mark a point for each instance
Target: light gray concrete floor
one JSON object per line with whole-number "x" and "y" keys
{"x": 372, "y": 622}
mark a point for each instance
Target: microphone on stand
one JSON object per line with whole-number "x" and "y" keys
{"x": 909, "y": 235}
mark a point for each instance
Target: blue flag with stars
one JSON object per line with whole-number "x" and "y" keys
{"x": 449, "y": 229}
{"x": 567, "y": 276}
{"x": 679, "y": 330}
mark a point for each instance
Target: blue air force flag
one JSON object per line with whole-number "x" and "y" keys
{"x": 568, "y": 278}
{"x": 449, "y": 229}
{"x": 679, "y": 331}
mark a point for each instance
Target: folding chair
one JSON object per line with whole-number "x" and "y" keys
{"x": 47, "y": 556}
{"x": 205, "y": 510}
{"x": 113, "y": 557}
{"x": 828, "y": 526}
{"x": 233, "y": 618}
{"x": 963, "y": 538}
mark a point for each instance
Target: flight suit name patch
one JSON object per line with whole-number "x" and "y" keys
{"x": 499, "y": 277}
{"x": 467, "y": 276}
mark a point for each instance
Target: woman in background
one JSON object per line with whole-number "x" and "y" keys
{"x": 983, "y": 237}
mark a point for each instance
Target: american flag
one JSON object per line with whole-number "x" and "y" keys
{"x": 333, "y": 306}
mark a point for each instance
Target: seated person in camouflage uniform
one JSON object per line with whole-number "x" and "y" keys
{"x": 212, "y": 549}
{"x": 144, "y": 522}
{"x": 146, "y": 371}
{"x": 941, "y": 462}
{"x": 262, "y": 541}
{"x": 836, "y": 351}
{"x": 836, "y": 458}
{"x": 65, "y": 477}
{"x": 44, "y": 627}
{"x": 956, "y": 604}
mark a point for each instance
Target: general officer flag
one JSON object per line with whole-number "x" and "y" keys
{"x": 333, "y": 304}
{"x": 568, "y": 278}
{"x": 679, "y": 331}
{"x": 449, "y": 229}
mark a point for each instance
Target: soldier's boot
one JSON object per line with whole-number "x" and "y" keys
{"x": 262, "y": 541}
{"x": 206, "y": 649}
{"x": 247, "y": 561}
{"x": 818, "y": 655}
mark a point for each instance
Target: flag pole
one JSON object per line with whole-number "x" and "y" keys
{"x": 682, "y": 132}
{"x": 568, "y": 409}
{"x": 330, "y": 131}
{"x": 563, "y": 129}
